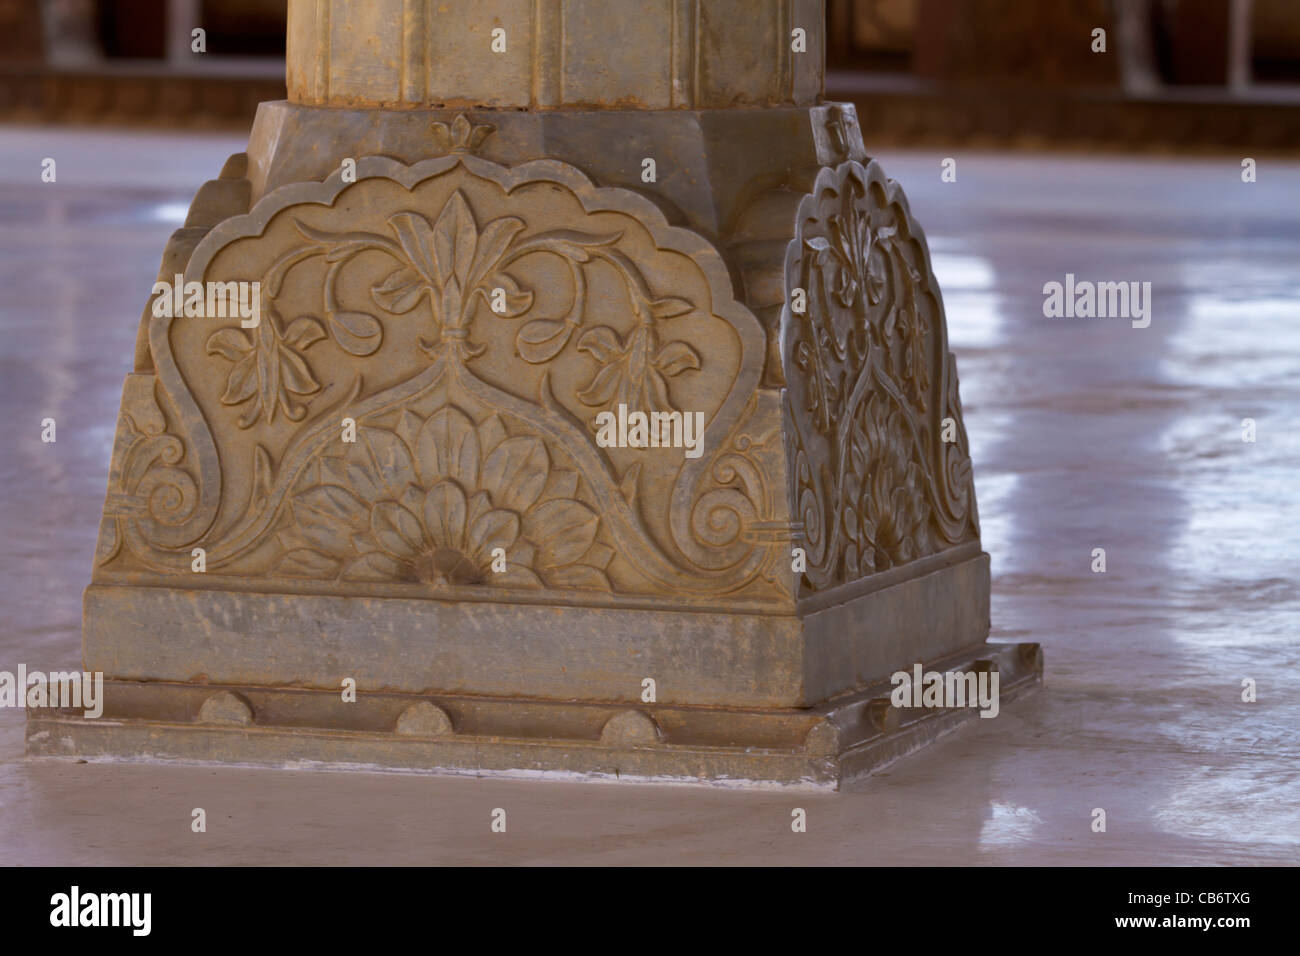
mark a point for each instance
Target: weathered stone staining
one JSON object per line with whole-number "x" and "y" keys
{"x": 397, "y": 477}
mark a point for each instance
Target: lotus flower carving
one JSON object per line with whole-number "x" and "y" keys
{"x": 446, "y": 501}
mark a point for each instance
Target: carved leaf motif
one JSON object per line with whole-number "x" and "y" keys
{"x": 449, "y": 448}
{"x": 455, "y": 239}
{"x": 519, "y": 575}
{"x": 627, "y": 484}
{"x": 376, "y": 566}
{"x": 670, "y": 308}
{"x": 563, "y": 530}
{"x": 241, "y": 385}
{"x": 303, "y": 331}
{"x": 516, "y": 471}
{"x": 325, "y": 516}
{"x": 496, "y": 239}
{"x": 400, "y": 292}
{"x": 633, "y": 371}
{"x": 262, "y": 470}
{"x": 337, "y": 246}
{"x": 396, "y": 529}
{"x": 603, "y": 387}
{"x": 416, "y": 238}
{"x": 445, "y": 511}
{"x": 295, "y": 374}
{"x": 386, "y": 464}
{"x": 306, "y": 563}
{"x": 230, "y": 344}
{"x": 517, "y": 300}
{"x": 542, "y": 339}
{"x": 268, "y": 367}
{"x": 358, "y": 333}
{"x": 602, "y": 342}
{"x": 676, "y": 357}
{"x": 462, "y": 135}
{"x": 496, "y": 529}
{"x": 657, "y": 399}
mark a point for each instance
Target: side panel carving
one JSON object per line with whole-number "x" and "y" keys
{"x": 870, "y": 383}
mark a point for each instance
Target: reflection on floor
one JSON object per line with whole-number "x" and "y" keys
{"x": 1086, "y": 433}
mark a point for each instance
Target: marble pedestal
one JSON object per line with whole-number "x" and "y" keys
{"x": 381, "y": 528}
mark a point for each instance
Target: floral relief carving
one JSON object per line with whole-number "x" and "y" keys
{"x": 870, "y": 382}
{"x": 432, "y": 502}
{"x": 634, "y": 371}
{"x": 466, "y": 472}
{"x": 270, "y": 371}
{"x": 453, "y": 266}
{"x": 461, "y": 135}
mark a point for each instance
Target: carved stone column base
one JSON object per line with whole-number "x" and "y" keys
{"x": 819, "y": 748}
{"x": 402, "y": 475}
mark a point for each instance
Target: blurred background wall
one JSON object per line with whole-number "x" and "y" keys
{"x": 132, "y": 62}
{"x": 1169, "y": 42}
{"x": 1175, "y": 74}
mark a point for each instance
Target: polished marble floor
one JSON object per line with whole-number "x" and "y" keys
{"x": 1085, "y": 433}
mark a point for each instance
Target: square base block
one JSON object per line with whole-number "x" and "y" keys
{"x": 844, "y": 641}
